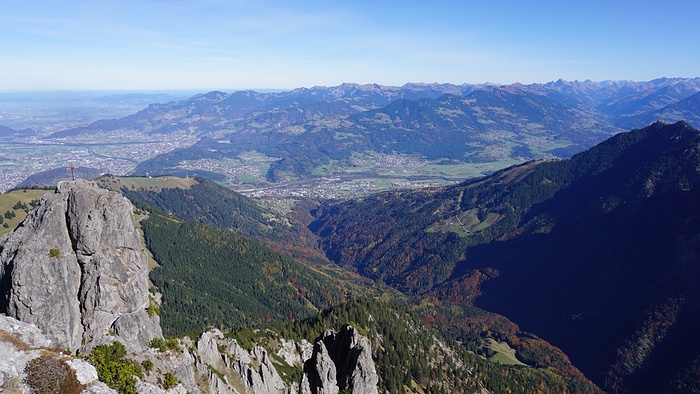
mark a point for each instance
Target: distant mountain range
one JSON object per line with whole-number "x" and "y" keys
{"x": 7, "y": 132}
{"x": 304, "y": 129}
{"x": 597, "y": 254}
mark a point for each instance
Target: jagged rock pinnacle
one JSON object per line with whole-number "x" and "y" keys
{"x": 76, "y": 268}
{"x": 340, "y": 361}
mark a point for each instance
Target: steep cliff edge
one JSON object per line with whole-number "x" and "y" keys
{"x": 76, "y": 268}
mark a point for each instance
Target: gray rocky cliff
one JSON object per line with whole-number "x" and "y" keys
{"x": 340, "y": 361}
{"x": 76, "y": 268}
{"x": 231, "y": 369}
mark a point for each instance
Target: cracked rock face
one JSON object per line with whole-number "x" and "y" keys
{"x": 246, "y": 371}
{"x": 340, "y": 361}
{"x": 76, "y": 268}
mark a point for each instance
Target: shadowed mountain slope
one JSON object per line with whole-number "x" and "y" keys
{"x": 596, "y": 254}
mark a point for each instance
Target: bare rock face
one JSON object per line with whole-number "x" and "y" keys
{"x": 337, "y": 362}
{"x": 293, "y": 352}
{"x": 76, "y": 269}
{"x": 231, "y": 369}
{"x": 340, "y": 361}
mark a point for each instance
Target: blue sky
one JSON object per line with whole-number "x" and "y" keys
{"x": 210, "y": 44}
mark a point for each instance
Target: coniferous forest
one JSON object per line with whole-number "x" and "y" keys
{"x": 212, "y": 277}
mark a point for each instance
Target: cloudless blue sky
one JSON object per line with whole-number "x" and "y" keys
{"x": 218, "y": 44}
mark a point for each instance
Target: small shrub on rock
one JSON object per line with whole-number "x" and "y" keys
{"x": 114, "y": 369}
{"x": 49, "y": 373}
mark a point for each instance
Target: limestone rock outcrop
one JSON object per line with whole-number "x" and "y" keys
{"x": 76, "y": 268}
{"x": 340, "y": 361}
{"x": 232, "y": 369}
{"x": 215, "y": 364}
{"x": 337, "y": 361}
{"x": 293, "y": 352}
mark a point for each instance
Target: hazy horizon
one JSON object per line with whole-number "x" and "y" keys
{"x": 195, "y": 91}
{"x": 160, "y": 45}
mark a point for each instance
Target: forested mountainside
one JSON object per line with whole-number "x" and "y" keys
{"x": 212, "y": 277}
{"x": 302, "y": 131}
{"x": 687, "y": 109}
{"x": 412, "y": 357}
{"x": 242, "y": 283}
{"x": 596, "y": 254}
{"x": 206, "y": 202}
{"x": 237, "y": 284}
{"x": 87, "y": 238}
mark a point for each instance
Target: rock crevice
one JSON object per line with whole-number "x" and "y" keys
{"x": 340, "y": 361}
